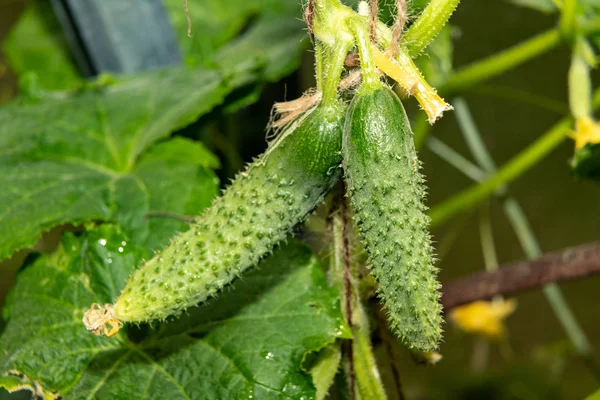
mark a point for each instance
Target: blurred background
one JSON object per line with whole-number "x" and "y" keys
{"x": 536, "y": 360}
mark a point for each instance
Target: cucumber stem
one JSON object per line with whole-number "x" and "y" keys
{"x": 368, "y": 67}
{"x": 332, "y": 73}
{"x": 361, "y": 362}
{"x": 319, "y": 65}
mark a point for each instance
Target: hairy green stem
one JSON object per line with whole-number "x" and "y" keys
{"x": 368, "y": 68}
{"x": 507, "y": 173}
{"x": 320, "y": 66}
{"x": 526, "y": 237}
{"x": 510, "y": 171}
{"x": 429, "y": 24}
{"x": 455, "y": 159}
{"x": 365, "y": 374}
{"x": 498, "y": 63}
{"x": 332, "y": 74}
{"x": 568, "y": 18}
{"x": 486, "y": 234}
{"x": 552, "y": 292}
{"x": 522, "y": 96}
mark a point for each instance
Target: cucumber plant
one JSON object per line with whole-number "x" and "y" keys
{"x": 280, "y": 188}
{"x": 350, "y": 133}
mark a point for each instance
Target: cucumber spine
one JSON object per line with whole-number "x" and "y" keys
{"x": 387, "y": 191}
{"x": 263, "y": 203}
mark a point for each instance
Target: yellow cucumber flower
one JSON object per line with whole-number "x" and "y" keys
{"x": 484, "y": 318}
{"x": 586, "y": 131}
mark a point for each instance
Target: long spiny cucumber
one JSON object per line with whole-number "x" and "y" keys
{"x": 387, "y": 192}
{"x": 258, "y": 210}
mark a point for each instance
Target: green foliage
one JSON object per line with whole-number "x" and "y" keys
{"x": 100, "y": 152}
{"x": 239, "y": 345}
{"x": 36, "y": 44}
{"x": 258, "y": 40}
{"x": 99, "y": 155}
{"x": 90, "y": 156}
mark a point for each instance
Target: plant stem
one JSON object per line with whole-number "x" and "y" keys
{"x": 368, "y": 68}
{"x": 568, "y": 18}
{"x": 507, "y": 173}
{"x": 429, "y": 24}
{"x": 332, "y": 73}
{"x": 522, "y": 96}
{"x": 526, "y": 236}
{"x": 455, "y": 159}
{"x": 367, "y": 374}
{"x": 486, "y": 234}
{"x": 498, "y": 63}
{"x": 510, "y": 171}
{"x": 552, "y": 292}
{"x": 363, "y": 373}
{"x": 509, "y": 279}
{"x": 320, "y": 66}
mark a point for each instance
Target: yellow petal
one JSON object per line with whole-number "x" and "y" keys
{"x": 484, "y": 318}
{"x": 586, "y": 131}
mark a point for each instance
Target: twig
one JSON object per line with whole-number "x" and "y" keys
{"x": 571, "y": 263}
{"x": 187, "y": 17}
{"x": 347, "y": 286}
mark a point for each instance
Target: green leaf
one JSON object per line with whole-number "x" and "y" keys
{"x": 261, "y": 33}
{"x": 254, "y": 40}
{"x": 325, "y": 369}
{"x": 36, "y": 44}
{"x": 250, "y": 341}
{"x": 89, "y": 156}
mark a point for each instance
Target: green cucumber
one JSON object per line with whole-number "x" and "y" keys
{"x": 387, "y": 192}
{"x": 276, "y": 192}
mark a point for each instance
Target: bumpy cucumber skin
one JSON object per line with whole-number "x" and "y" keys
{"x": 387, "y": 192}
{"x": 257, "y": 211}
